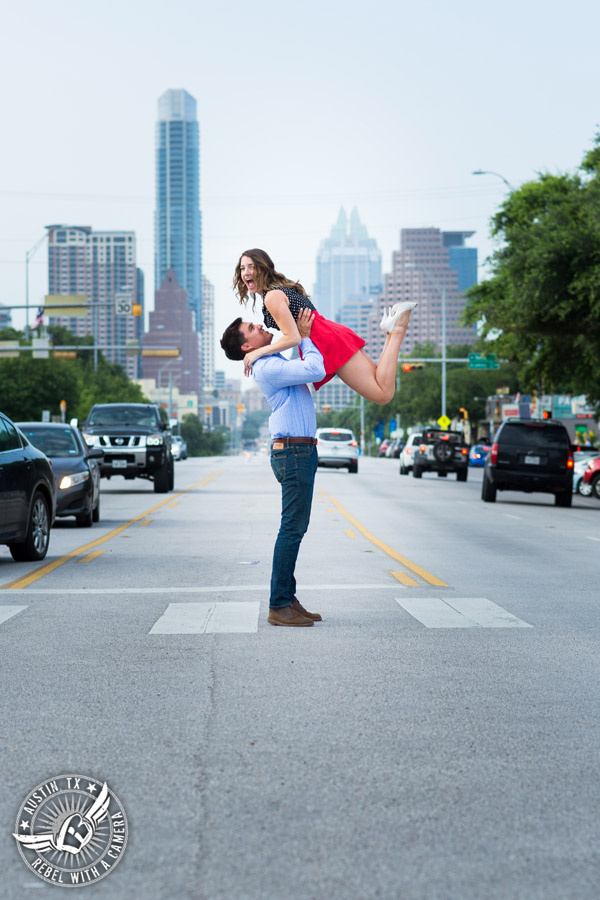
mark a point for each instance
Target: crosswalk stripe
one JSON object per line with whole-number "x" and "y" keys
{"x": 208, "y": 618}
{"x": 459, "y": 612}
{"x": 7, "y": 612}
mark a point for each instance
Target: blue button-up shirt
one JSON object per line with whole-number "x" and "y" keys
{"x": 284, "y": 382}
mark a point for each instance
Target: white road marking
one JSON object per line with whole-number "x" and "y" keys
{"x": 459, "y": 612}
{"x": 590, "y": 538}
{"x": 212, "y": 589}
{"x": 7, "y": 612}
{"x": 207, "y": 618}
{"x": 509, "y": 516}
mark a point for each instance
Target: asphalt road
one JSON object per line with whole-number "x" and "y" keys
{"x": 436, "y": 736}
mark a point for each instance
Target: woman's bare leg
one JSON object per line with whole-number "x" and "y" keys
{"x": 376, "y": 382}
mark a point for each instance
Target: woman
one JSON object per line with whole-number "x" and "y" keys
{"x": 341, "y": 348}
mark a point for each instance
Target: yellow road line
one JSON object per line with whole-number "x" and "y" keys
{"x": 174, "y": 503}
{"x": 418, "y": 570}
{"x": 350, "y": 533}
{"x": 146, "y": 522}
{"x": 94, "y": 555}
{"x": 403, "y": 578}
{"x": 26, "y": 580}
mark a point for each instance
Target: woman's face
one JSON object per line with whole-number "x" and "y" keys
{"x": 248, "y": 274}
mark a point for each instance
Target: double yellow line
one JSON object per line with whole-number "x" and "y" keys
{"x": 26, "y": 580}
{"x": 413, "y": 567}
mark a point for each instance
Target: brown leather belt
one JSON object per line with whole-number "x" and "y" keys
{"x": 281, "y": 442}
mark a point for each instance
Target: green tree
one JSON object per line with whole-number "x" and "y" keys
{"x": 201, "y": 442}
{"x": 28, "y": 386}
{"x": 542, "y": 302}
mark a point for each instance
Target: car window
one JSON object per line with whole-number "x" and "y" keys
{"x": 9, "y": 437}
{"x": 126, "y": 415}
{"x": 55, "y": 442}
{"x": 336, "y": 436}
{"x": 533, "y": 436}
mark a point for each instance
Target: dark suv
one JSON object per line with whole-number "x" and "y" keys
{"x": 530, "y": 456}
{"x": 442, "y": 452}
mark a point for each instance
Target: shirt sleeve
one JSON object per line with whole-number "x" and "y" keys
{"x": 282, "y": 372}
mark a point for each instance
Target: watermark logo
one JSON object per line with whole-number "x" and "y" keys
{"x": 71, "y": 830}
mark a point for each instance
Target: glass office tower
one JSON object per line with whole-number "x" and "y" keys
{"x": 178, "y": 231}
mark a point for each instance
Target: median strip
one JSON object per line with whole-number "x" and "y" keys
{"x": 413, "y": 567}
{"x": 49, "y": 567}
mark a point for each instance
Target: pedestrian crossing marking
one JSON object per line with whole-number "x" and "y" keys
{"x": 208, "y": 618}
{"x": 405, "y": 579}
{"x": 459, "y": 612}
{"x": 7, "y": 612}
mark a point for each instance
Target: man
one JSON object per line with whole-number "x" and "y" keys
{"x": 292, "y": 424}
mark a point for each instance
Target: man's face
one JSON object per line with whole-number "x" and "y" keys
{"x": 254, "y": 336}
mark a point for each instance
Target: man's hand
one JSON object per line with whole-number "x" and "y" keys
{"x": 304, "y": 322}
{"x": 248, "y": 360}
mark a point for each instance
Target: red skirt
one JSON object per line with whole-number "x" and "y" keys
{"x": 337, "y": 343}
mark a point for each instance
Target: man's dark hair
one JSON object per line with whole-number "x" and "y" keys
{"x": 232, "y": 341}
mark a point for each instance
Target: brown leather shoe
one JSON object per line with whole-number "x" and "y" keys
{"x": 288, "y": 616}
{"x": 316, "y": 617}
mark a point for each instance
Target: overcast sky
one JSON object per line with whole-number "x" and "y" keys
{"x": 303, "y": 107}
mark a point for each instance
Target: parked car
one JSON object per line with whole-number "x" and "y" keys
{"x": 27, "y": 495}
{"x": 394, "y": 448}
{"x": 442, "y": 452}
{"x": 530, "y": 455}
{"x": 383, "y": 446}
{"x": 407, "y": 452}
{"x": 591, "y": 476}
{"x": 337, "y": 448}
{"x": 478, "y": 454}
{"x": 178, "y": 447}
{"x": 580, "y": 463}
{"x": 76, "y": 469}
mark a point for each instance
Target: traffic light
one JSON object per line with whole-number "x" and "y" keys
{"x": 463, "y": 413}
{"x": 547, "y": 414}
{"x": 409, "y": 367}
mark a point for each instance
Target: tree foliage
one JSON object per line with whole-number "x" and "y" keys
{"x": 201, "y": 442}
{"x": 544, "y": 293}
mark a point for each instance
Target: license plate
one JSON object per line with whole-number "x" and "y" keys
{"x": 119, "y": 463}
{"x": 532, "y": 460}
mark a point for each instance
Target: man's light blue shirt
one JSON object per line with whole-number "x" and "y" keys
{"x": 284, "y": 382}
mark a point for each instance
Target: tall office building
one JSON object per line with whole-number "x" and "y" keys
{"x": 171, "y": 326}
{"x": 178, "y": 227}
{"x": 348, "y": 266}
{"x": 207, "y": 374}
{"x": 102, "y": 266}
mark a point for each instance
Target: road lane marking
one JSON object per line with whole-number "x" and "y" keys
{"x": 417, "y": 570}
{"x": 405, "y": 579}
{"x": 7, "y": 612}
{"x": 145, "y": 522}
{"x": 94, "y": 555}
{"x": 174, "y": 502}
{"x": 208, "y": 618}
{"x": 459, "y": 612}
{"x": 510, "y": 516}
{"x": 349, "y": 532}
{"x": 207, "y": 589}
{"x": 49, "y": 567}
{"x": 592, "y": 538}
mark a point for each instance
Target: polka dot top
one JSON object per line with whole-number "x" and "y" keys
{"x": 297, "y": 302}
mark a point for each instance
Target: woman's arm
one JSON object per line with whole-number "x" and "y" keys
{"x": 277, "y": 304}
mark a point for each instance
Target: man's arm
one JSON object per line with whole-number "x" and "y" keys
{"x": 280, "y": 372}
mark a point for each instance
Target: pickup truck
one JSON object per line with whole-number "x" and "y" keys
{"x": 135, "y": 441}
{"x": 442, "y": 452}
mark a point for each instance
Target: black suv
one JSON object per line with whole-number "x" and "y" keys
{"x": 530, "y": 456}
{"x": 441, "y": 452}
{"x": 135, "y": 441}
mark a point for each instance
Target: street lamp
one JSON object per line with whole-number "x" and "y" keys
{"x": 497, "y": 174}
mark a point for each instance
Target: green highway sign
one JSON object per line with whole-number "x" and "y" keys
{"x": 477, "y": 361}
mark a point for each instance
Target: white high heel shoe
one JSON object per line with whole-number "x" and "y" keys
{"x": 393, "y": 314}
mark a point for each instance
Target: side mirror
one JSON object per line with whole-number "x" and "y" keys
{"x": 95, "y": 453}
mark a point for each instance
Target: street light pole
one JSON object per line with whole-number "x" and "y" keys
{"x": 28, "y": 256}
{"x": 497, "y": 174}
{"x": 443, "y": 349}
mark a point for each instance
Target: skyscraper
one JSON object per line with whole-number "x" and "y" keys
{"x": 178, "y": 227}
{"x": 171, "y": 326}
{"x": 348, "y": 266}
{"x": 100, "y": 265}
{"x": 208, "y": 336}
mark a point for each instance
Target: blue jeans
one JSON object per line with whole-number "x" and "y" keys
{"x": 294, "y": 468}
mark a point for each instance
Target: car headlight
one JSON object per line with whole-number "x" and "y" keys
{"x": 154, "y": 440}
{"x": 92, "y": 440}
{"x": 68, "y": 481}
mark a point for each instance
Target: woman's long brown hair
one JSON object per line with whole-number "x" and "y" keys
{"x": 266, "y": 277}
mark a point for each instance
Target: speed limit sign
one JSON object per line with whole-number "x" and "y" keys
{"x": 123, "y": 304}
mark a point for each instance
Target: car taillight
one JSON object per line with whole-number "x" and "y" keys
{"x": 352, "y": 443}
{"x": 494, "y": 454}
{"x": 464, "y": 451}
{"x": 423, "y": 448}
{"x": 570, "y": 462}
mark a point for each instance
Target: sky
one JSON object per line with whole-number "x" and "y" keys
{"x": 303, "y": 108}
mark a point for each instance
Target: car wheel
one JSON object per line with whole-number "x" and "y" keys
{"x": 96, "y": 513}
{"x": 86, "y": 520}
{"x": 584, "y": 488}
{"x": 172, "y": 476}
{"x": 417, "y": 471}
{"x": 35, "y": 545}
{"x": 462, "y": 474}
{"x": 596, "y": 487}
{"x": 403, "y": 469}
{"x": 488, "y": 491}
{"x": 162, "y": 479}
{"x": 353, "y": 467}
{"x": 565, "y": 498}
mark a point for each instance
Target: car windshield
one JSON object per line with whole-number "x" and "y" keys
{"x": 123, "y": 416}
{"x": 526, "y": 436}
{"x": 336, "y": 436}
{"x": 54, "y": 442}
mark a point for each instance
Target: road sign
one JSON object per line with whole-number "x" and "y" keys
{"x": 476, "y": 361}
{"x": 443, "y": 422}
{"x": 492, "y": 362}
{"x": 123, "y": 304}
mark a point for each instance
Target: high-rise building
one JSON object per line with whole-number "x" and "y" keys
{"x": 348, "y": 266}
{"x": 5, "y": 317}
{"x": 178, "y": 225}
{"x": 207, "y": 356}
{"x": 429, "y": 265}
{"x": 102, "y": 266}
{"x": 171, "y": 327}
